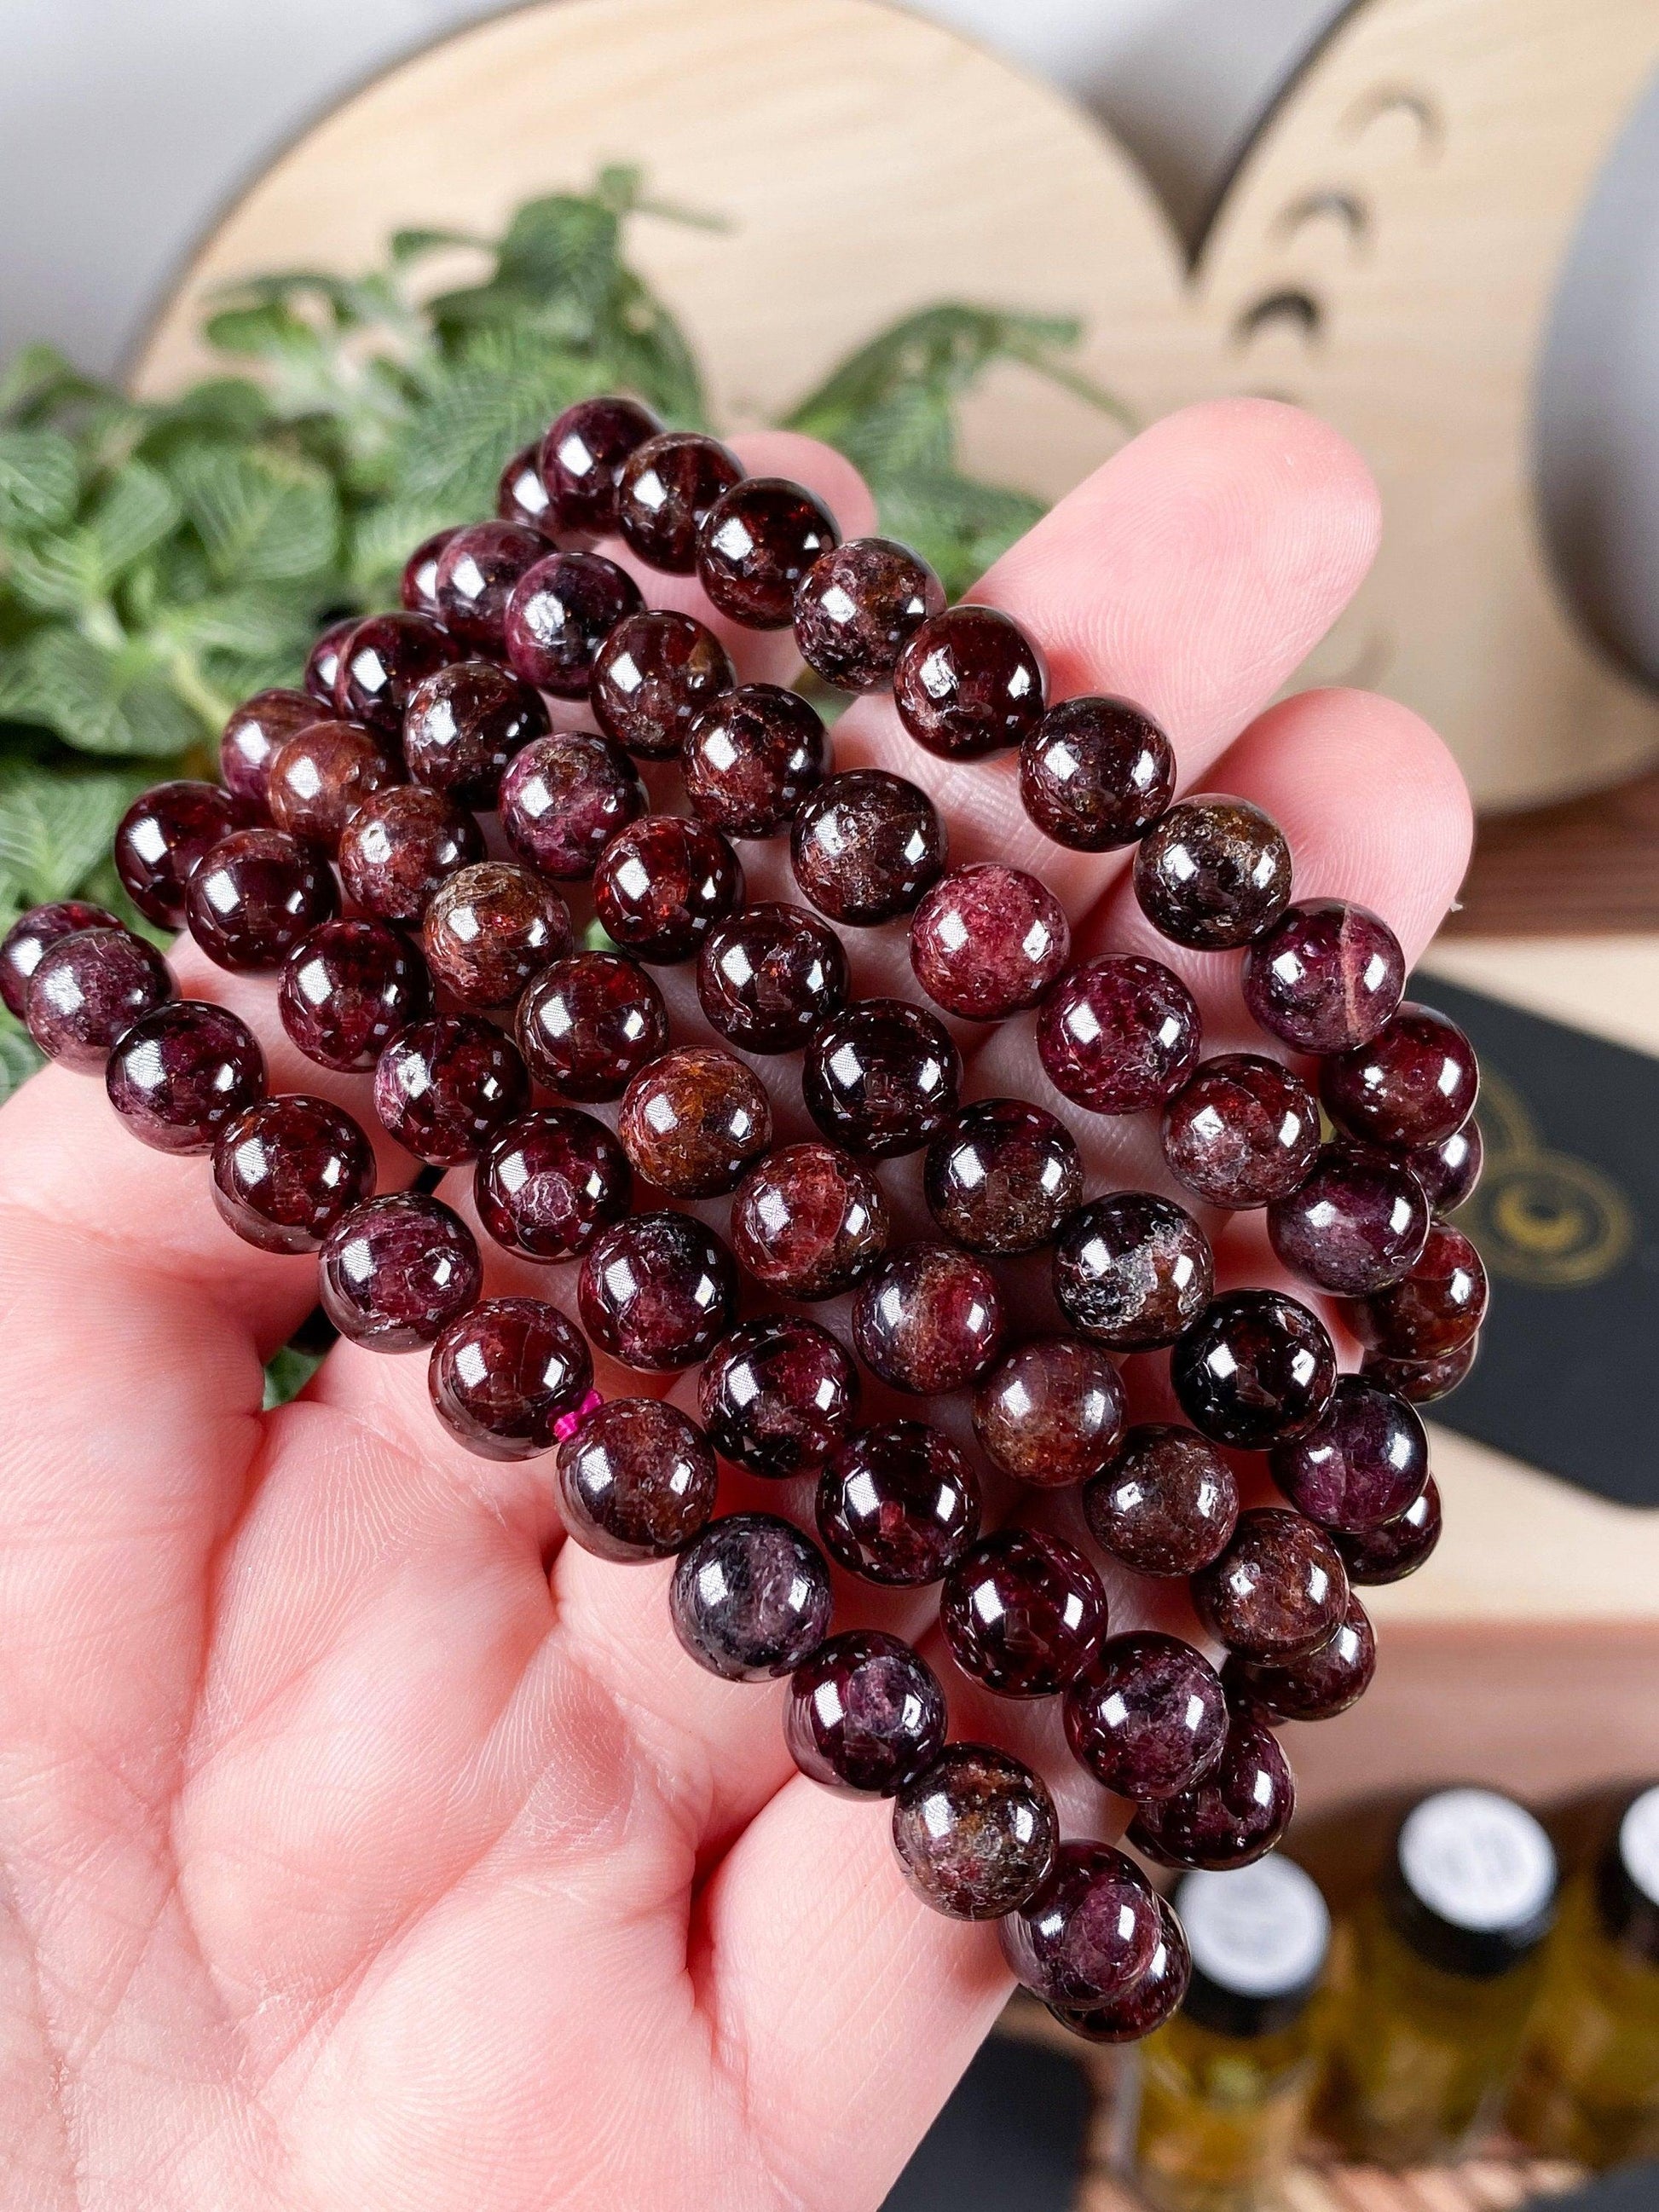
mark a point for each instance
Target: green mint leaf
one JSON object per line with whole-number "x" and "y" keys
{"x": 137, "y": 511}
{"x": 262, "y": 517}
{"x": 57, "y": 820}
{"x": 39, "y": 479}
{"x": 287, "y": 1373}
{"x": 18, "y": 1057}
{"x": 98, "y": 698}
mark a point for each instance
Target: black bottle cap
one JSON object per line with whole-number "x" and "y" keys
{"x": 1472, "y": 1886}
{"x": 1259, "y": 1936}
{"x": 1627, "y": 1878}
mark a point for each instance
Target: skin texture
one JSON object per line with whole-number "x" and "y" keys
{"x": 345, "y": 1860}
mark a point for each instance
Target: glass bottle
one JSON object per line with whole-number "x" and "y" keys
{"x": 1588, "y": 2087}
{"x": 1226, "y": 2084}
{"x": 1436, "y": 1972}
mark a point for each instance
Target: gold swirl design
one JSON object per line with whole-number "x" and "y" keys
{"x": 1540, "y": 1216}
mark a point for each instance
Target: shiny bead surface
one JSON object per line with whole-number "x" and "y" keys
{"x": 865, "y": 846}
{"x": 1241, "y": 1130}
{"x": 663, "y": 884}
{"x": 751, "y": 1597}
{"x": 561, "y": 611}
{"x": 1421, "y": 1382}
{"x": 968, "y": 681}
{"x": 1119, "y": 1034}
{"x": 1450, "y": 1170}
{"x": 346, "y": 990}
{"x": 1434, "y": 1310}
{"x": 664, "y": 493}
{"x": 1278, "y": 1592}
{"x": 474, "y": 577}
{"x": 1213, "y": 873}
{"x": 1364, "y": 1462}
{"x": 778, "y": 1395}
{"x": 252, "y": 735}
{"x": 692, "y": 1122}
{"x": 1167, "y": 1505}
{"x": 1233, "y": 1817}
{"x": 1399, "y": 1548}
{"x": 381, "y": 661}
{"x": 88, "y": 989}
{"x": 489, "y": 928}
{"x": 443, "y": 1087}
{"x": 975, "y": 1833}
{"x": 287, "y": 1169}
{"x": 396, "y": 1272}
{"x": 163, "y": 837}
{"x": 177, "y": 1075}
{"x": 564, "y": 798}
{"x": 502, "y": 1375}
{"x": 1001, "y": 1175}
{"x": 1314, "y": 1689}
{"x": 465, "y": 725}
{"x": 1412, "y": 1084}
{"x": 656, "y": 672}
{"x": 254, "y": 896}
{"x": 322, "y": 774}
{"x": 417, "y": 587}
{"x": 857, "y": 604}
{"x": 589, "y": 1022}
{"x": 755, "y": 544}
{"x": 1325, "y": 977}
{"x": 929, "y": 1319}
{"x": 881, "y": 1077}
{"x": 865, "y": 1713}
{"x": 1132, "y": 1270}
{"x": 1095, "y": 774}
{"x": 548, "y": 1182}
{"x": 658, "y": 1292}
{"x": 1022, "y": 1612}
{"x": 1050, "y": 1412}
{"x": 1089, "y": 1934}
{"x": 749, "y": 759}
{"x": 987, "y": 940}
{"x": 1151, "y": 2000}
{"x": 583, "y": 456}
{"x": 520, "y": 495}
{"x": 768, "y": 976}
{"x": 1148, "y": 1716}
{"x": 26, "y": 942}
{"x": 898, "y": 1505}
{"x": 809, "y": 1222}
{"x": 1357, "y": 1223}
{"x": 1255, "y": 1367}
{"x": 637, "y": 1480}
{"x": 401, "y": 844}
{"x": 322, "y": 669}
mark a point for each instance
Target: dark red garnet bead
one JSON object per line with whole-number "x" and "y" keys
{"x": 1001, "y": 1175}
{"x": 520, "y": 495}
{"x": 348, "y": 989}
{"x": 401, "y": 844}
{"x": 855, "y": 607}
{"x": 381, "y": 663}
{"x": 778, "y": 1395}
{"x": 322, "y": 774}
{"x": 929, "y": 1319}
{"x": 1050, "y": 1412}
{"x": 968, "y": 681}
{"x": 1153, "y": 1999}
{"x": 31, "y": 935}
{"x": 1316, "y": 1689}
{"x": 177, "y": 1075}
{"x": 1095, "y": 774}
{"x": 503, "y": 1376}
{"x": 1213, "y": 873}
{"x": 396, "y": 1272}
{"x": 809, "y": 1222}
{"x": 1399, "y": 1548}
{"x": 1089, "y": 1934}
{"x": 768, "y": 976}
{"x": 1450, "y": 1170}
{"x": 1167, "y": 1505}
{"x": 1233, "y": 1817}
{"x": 1357, "y": 1223}
{"x": 750, "y": 1599}
{"x": 547, "y": 1183}
{"x": 417, "y": 588}
{"x": 476, "y": 572}
{"x": 1022, "y": 1612}
{"x": 464, "y": 723}
{"x": 661, "y": 885}
{"x": 560, "y": 612}
{"x": 1421, "y": 1381}
{"x": 1432, "y": 1312}
{"x": 865, "y": 845}
{"x": 163, "y": 837}
{"x": 1325, "y": 977}
{"x": 254, "y": 896}
{"x": 1255, "y": 1368}
{"x": 751, "y": 758}
{"x": 1147, "y": 1716}
{"x": 898, "y": 1505}
{"x": 865, "y": 1712}
{"x": 1119, "y": 1034}
{"x": 881, "y": 1077}
{"x": 287, "y": 1169}
{"x": 1412, "y": 1084}
{"x": 1242, "y": 1130}
{"x": 1363, "y": 1463}
{"x": 88, "y": 989}
{"x": 564, "y": 798}
{"x": 664, "y": 494}
{"x": 637, "y": 1480}
{"x": 658, "y": 1292}
{"x": 655, "y": 674}
{"x": 987, "y": 941}
{"x": 975, "y": 1833}
{"x": 583, "y": 456}
{"x": 590, "y": 1021}
{"x": 1132, "y": 1269}
{"x": 1279, "y": 1591}
{"x": 322, "y": 669}
{"x": 756, "y": 543}
{"x": 443, "y": 1087}
{"x": 252, "y": 734}
{"x": 692, "y": 1122}
{"x": 489, "y": 928}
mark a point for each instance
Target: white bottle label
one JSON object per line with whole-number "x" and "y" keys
{"x": 1479, "y": 1860}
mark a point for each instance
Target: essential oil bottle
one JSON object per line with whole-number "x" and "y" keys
{"x": 1588, "y": 2087}
{"x": 1436, "y": 1972}
{"x": 1226, "y": 2084}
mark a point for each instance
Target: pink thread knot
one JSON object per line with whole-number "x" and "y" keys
{"x": 567, "y": 1424}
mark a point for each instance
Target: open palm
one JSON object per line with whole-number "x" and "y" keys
{"x": 364, "y": 1845}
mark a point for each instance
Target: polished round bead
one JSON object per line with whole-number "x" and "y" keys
{"x": 547, "y": 1183}
{"x": 1233, "y": 1817}
{"x": 1278, "y": 1592}
{"x": 898, "y": 1505}
{"x": 162, "y": 839}
{"x": 1095, "y": 774}
{"x": 778, "y": 1395}
{"x": 656, "y": 672}
{"x": 560, "y": 612}
{"x": 396, "y": 1272}
{"x": 88, "y": 989}
{"x": 929, "y": 1319}
{"x": 322, "y": 774}
{"x": 1450, "y": 1170}
{"x": 1022, "y": 1612}
{"x": 1168, "y": 1504}
{"x": 489, "y": 928}
{"x": 322, "y": 669}
{"x": 1000, "y": 1176}
{"x": 1256, "y": 1367}
{"x": 968, "y": 681}
{"x": 1434, "y": 1310}
{"x": 1119, "y": 1034}
{"x": 520, "y": 495}
{"x": 750, "y": 1600}
{"x": 1364, "y": 1462}
{"x": 1152, "y": 2000}
{"x": 1147, "y": 1716}
{"x": 1132, "y": 1269}
{"x": 987, "y": 941}
{"x": 417, "y": 588}
{"x": 26, "y": 942}
{"x": 346, "y": 990}
{"x": 178, "y": 1074}
{"x": 865, "y": 1713}
{"x": 1357, "y": 1223}
{"x": 1412, "y": 1084}
{"x": 1213, "y": 873}
{"x": 856, "y": 606}
{"x": 564, "y": 798}
{"x": 1399, "y": 1548}
{"x": 637, "y": 1480}
{"x": 1242, "y": 1130}
{"x": 692, "y": 1122}
{"x": 663, "y": 884}
{"x": 286, "y": 1170}
{"x": 881, "y": 1077}
{"x": 401, "y": 844}
{"x": 465, "y": 725}
{"x": 865, "y": 845}
{"x": 1314, "y": 1689}
{"x": 809, "y": 1222}
{"x": 254, "y": 896}
{"x": 749, "y": 759}
{"x": 1089, "y": 1934}
{"x": 252, "y": 735}
{"x": 1050, "y": 1412}
{"x": 475, "y": 575}
{"x": 1421, "y": 1382}
{"x": 583, "y": 456}
{"x": 588, "y": 1023}
{"x": 1325, "y": 977}
{"x": 976, "y": 1834}
{"x": 503, "y": 1376}
{"x": 666, "y": 487}
{"x": 755, "y": 544}
{"x": 768, "y": 976}
{"x": 658, "y": 1292}
{"x": 382, "y": 662}
{"x": 443, "y": 1087}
